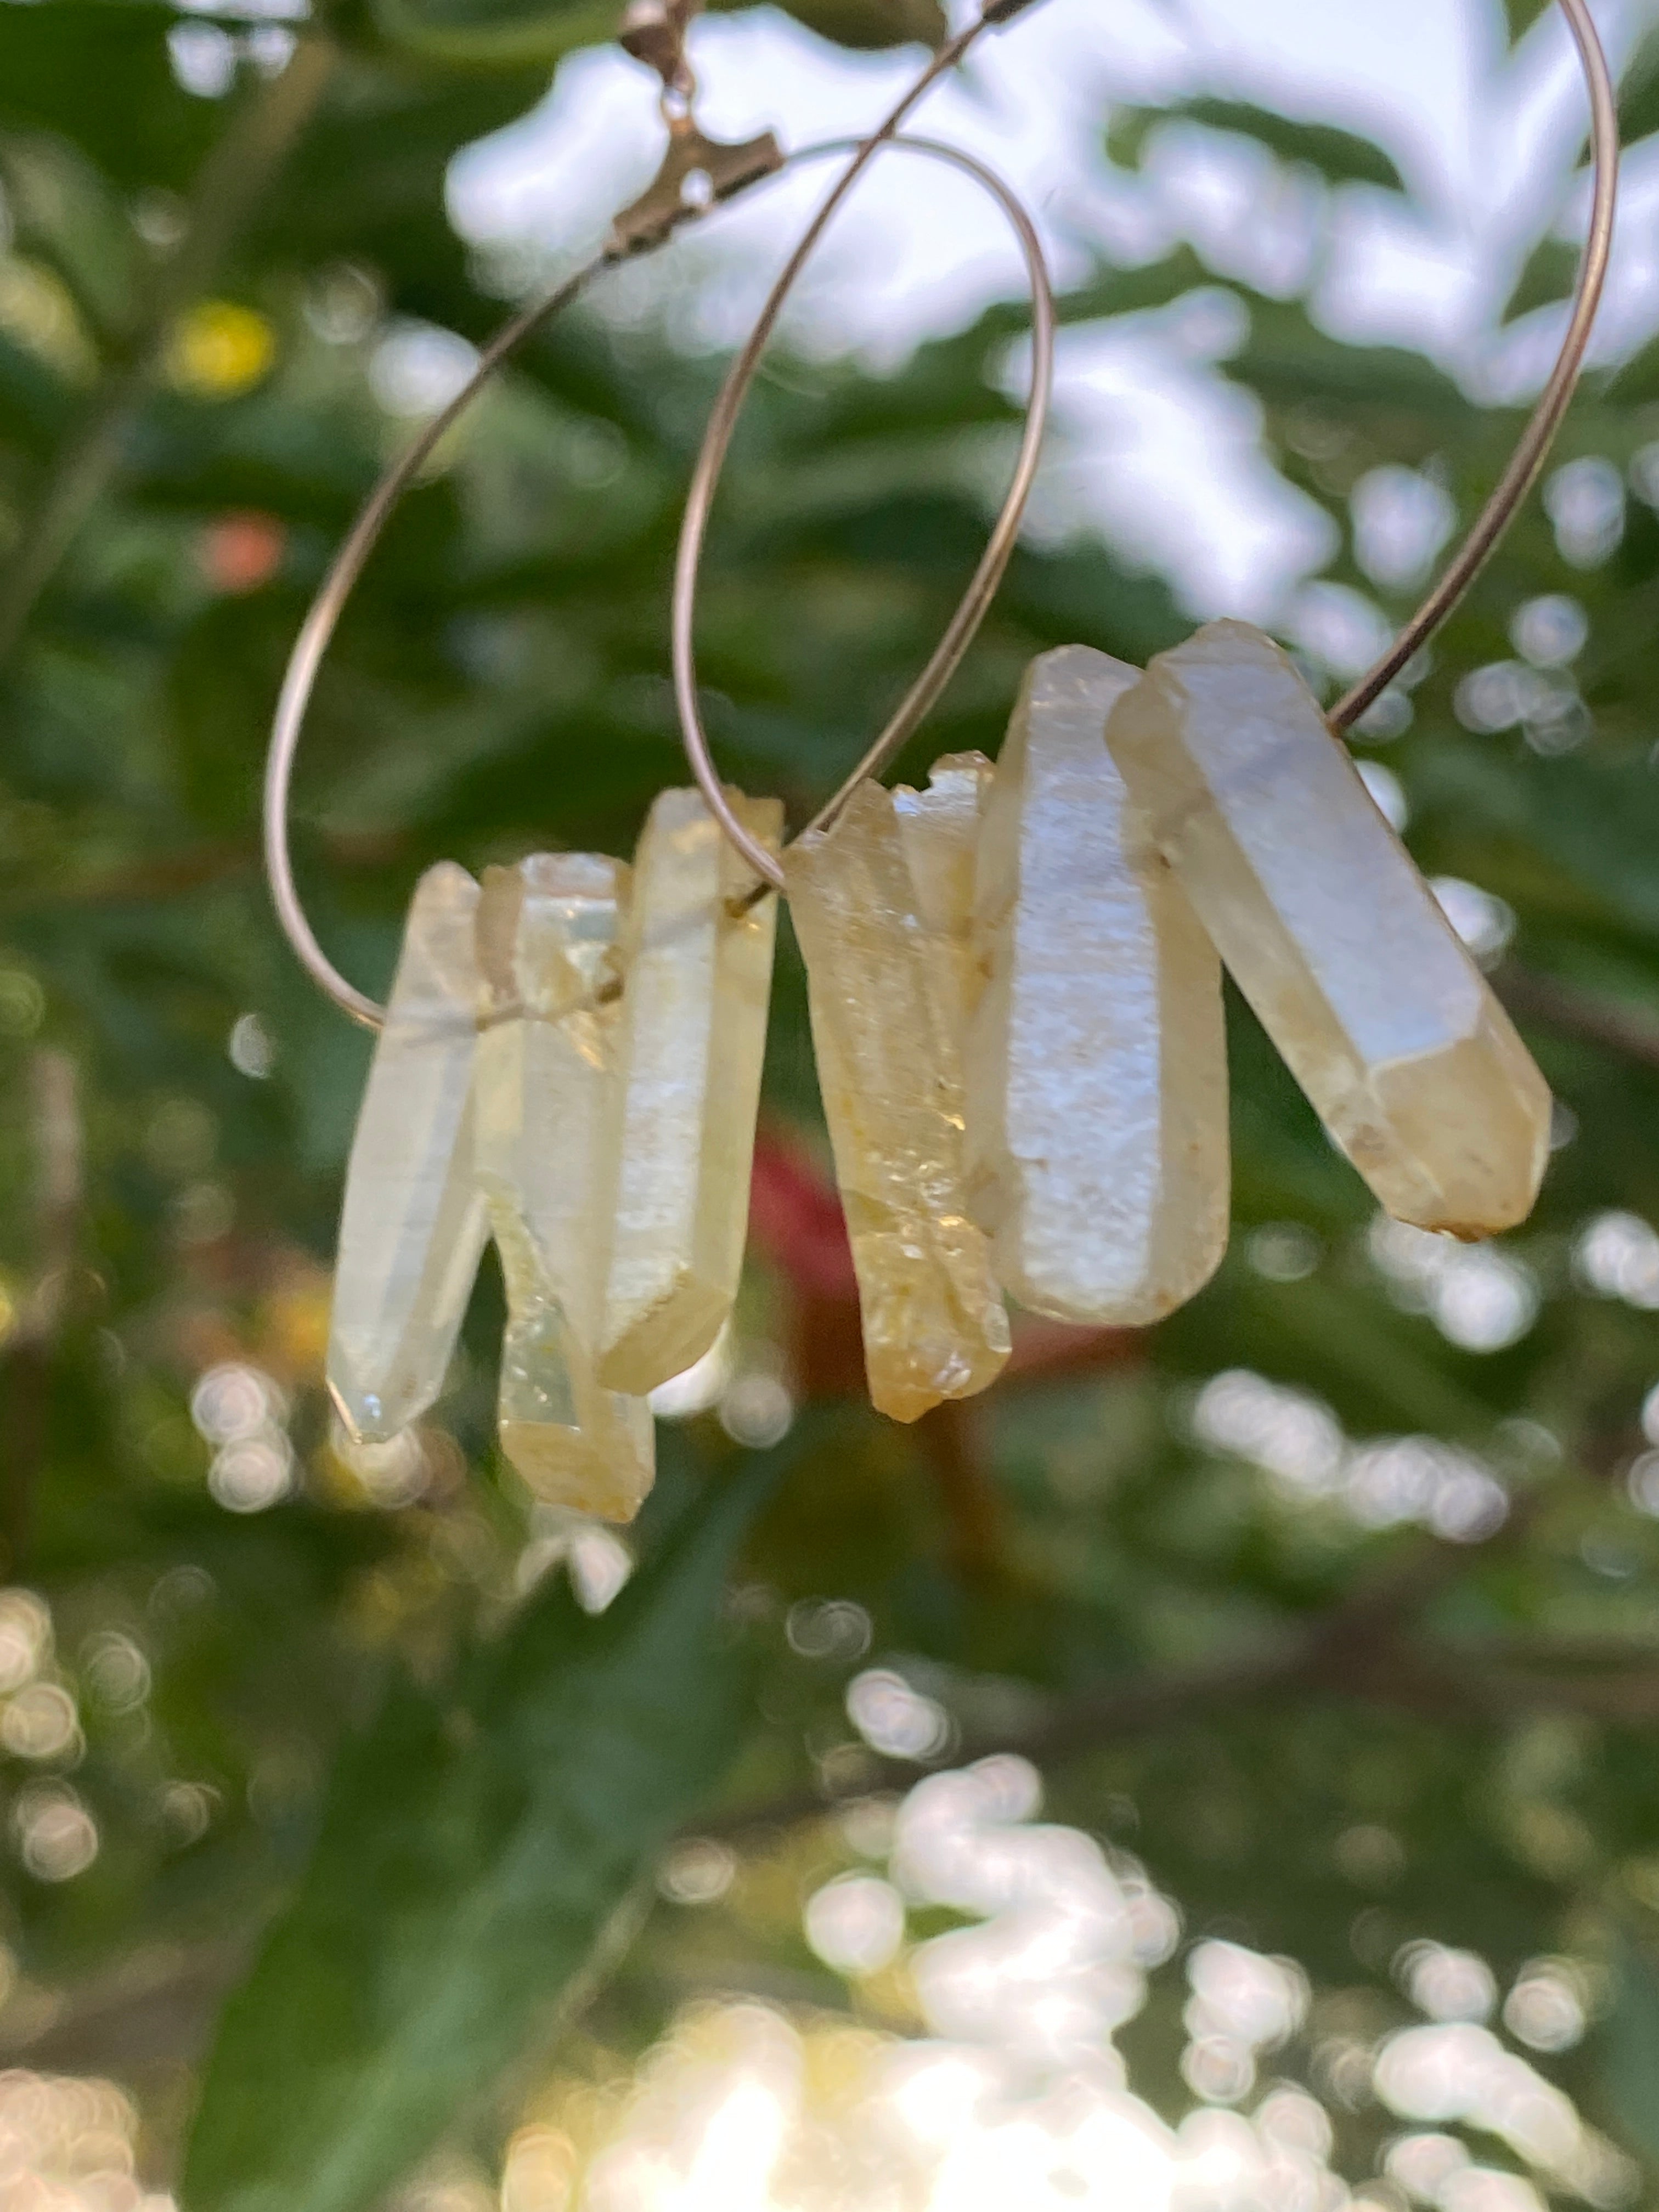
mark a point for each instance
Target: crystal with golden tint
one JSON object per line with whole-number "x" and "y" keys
{"x": 546, "y": 1108}
{"x": 413, "y": 1224}
{"x": 939, "y": 830}
{"x": 1096, "y": 1062}
{"x": 934, "y": 1323}
{"x": 575, "y": 1442}
{"x": 698, "y": 962}
{"x": 1332, "y": 935}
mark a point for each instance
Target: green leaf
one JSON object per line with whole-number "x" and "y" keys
{"x": 1521, "y": 15}
{"x": 1550, "y": 274}
{"x": 508, "y": 31}
{"x": 1597, "y": 819}
{"x": 1636, "y": 382}
{"x": 64, "y": 211}
{"x": 495, "y": 31}
{"x": 1629, "y": 2042}
{"x": 869, "y": 24}
{"x": 1638, "y": 92}
{"x": 1288, "y": 361}
{"x": 476, "y": 1848}
{"x": 128, "y": 111}
{"x": 1341, "y": 157}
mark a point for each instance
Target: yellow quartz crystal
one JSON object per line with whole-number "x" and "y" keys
{"x": 1097, "y": 1061}
{"x": 698, "y": 963}
{"x": 934, "y": 1323}
{"x": 413, "y": 1224}
{"x": 1332, "y": 935}
{"x": 546, "y": 1107}
{"x": 939, "y": 830}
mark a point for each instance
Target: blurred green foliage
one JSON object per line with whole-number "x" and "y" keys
{"x": 1240, "y": 1680}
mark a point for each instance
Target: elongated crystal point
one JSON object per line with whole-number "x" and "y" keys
{"x": 413, "y": 1225}
{"x": 698, "y": 962}
{"x": 575, "y": 1442}
{"x": 1332, "y": 935}
{"x": 1097, "y": 1061}
{"x": 546, "y": 1096}
{"x": 939, "y": 830}
{"x": 934, "y": 1323}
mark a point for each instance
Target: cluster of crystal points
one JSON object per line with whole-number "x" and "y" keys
{"x": 1015, "y": 997}
{"x": 883, "y": 963}
{"x": 571, "y": 1061}
{"x": 1097, "y": 1137}
{"x": 1332, "y": 935}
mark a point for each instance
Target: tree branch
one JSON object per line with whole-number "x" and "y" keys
{"x": 234, "y": 178}
{"x": 1356, "y": 1650}
{"x": 1550, "y": 1005}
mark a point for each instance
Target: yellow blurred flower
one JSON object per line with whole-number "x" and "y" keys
{"x": 219, "y": 350}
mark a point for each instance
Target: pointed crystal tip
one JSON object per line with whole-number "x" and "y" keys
{"x": 884, "y": 993}
{"x": 1098, "y": 1136}
{"x": 1332, "y": 934}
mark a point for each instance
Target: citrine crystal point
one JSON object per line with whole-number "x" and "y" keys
{"x": 934, "y": 1323}
{"x": 939, "y": 831}
{"x": 546, "y": 1106}
{"x": 698, "y": 963}
{"x": 412, "y": 1228}
{"x": 1332, "y": 935}
{"x": 574, "y": 1443}
{"x": 1096, "y": 1065}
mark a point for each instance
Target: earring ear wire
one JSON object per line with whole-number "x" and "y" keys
{"x": 975, "y": 604}
{"x": 655, "y": 30}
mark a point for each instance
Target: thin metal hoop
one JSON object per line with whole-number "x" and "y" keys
{"x": 963, "y": 627}
{"x": 323, "y": 617}
{"x": 1527, "y": 461}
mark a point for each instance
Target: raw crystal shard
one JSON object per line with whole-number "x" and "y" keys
{"x": 413, "y": 1227}
{"x": 1332, "y": 935}
{"x": 575, "y": 1442}
{"x": 939, "y": 830}
{"x": 1097, "y": 1064}
{"x": 698, "y": 963}
{"x": 934, "y": 1323}
{"x": 546, "y": 1103}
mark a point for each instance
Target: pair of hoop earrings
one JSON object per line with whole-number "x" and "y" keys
{"x": 1014, "y": 975}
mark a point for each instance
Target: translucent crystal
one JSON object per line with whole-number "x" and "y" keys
{"x": 413, "y": 1226}
{"x": 934, "y": 1324}
{"x": 698, "y": 962}
{"x": 575, "y": 1442}
{"x": 546, "y": 1109}
{"x": 1097, "y": 1064}
{"x": 939, "y": 829}
{"x": 1332, "y": 935}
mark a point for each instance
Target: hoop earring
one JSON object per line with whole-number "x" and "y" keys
{"x": 946, "y": 1101}
{"x": 570, "y": 1060}
{"x": 1013, "y": 977}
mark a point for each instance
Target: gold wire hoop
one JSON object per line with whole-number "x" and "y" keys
{"x": 975, "y": 604}
{"x": 323, "y": 617}
{"x": 1494, "y": 519}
